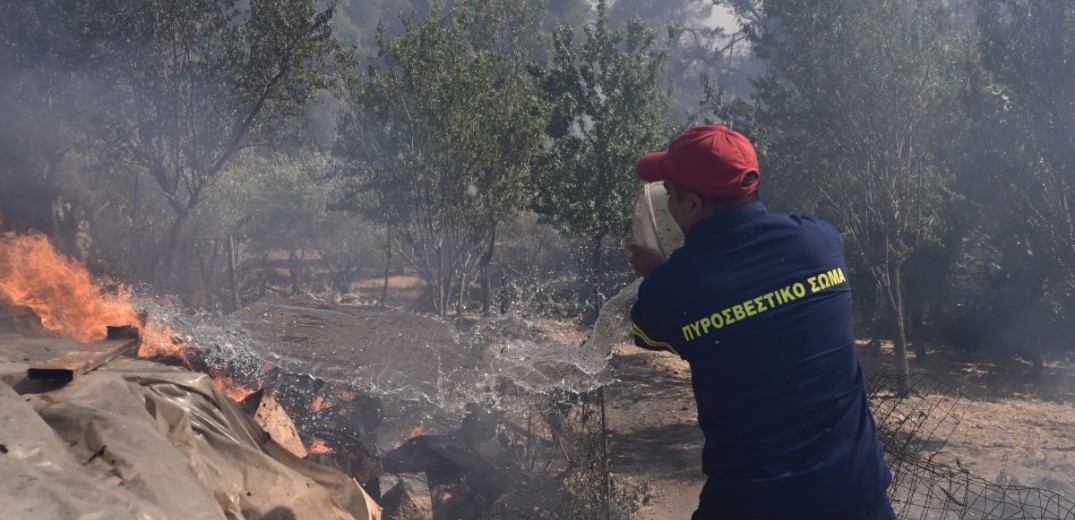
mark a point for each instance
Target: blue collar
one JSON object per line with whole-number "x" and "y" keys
{"x": 725, "y": 221}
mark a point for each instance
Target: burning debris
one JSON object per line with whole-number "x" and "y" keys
{"x": 332, "y": 419}
{"x": 66, "y": 302}
{"x": 272, "y": 418}
{"x": 136, "y": 439}
{"x": 465, "y": 471}
{"x": 61, "y": 293}
{"x": 56, "y": 298}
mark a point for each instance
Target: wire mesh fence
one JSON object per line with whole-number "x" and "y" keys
{"x": 913, "y": 428}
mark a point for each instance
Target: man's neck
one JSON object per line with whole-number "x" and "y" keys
{"x": 715, "y": 208}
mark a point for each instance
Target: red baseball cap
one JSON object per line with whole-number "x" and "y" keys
{"x": 712, "y": 160}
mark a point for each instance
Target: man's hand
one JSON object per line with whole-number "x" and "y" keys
{"x": 643, "y": 259}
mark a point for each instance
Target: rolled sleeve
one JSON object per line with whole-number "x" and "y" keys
{"x": 649, "y": 319}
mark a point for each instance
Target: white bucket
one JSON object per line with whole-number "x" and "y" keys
{"x": 653, "y": 225}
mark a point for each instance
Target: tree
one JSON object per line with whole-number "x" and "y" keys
{"x": 440, "y": 137}
{"x": 1023, "y": 88}
{"x": 34, "y": 136}
{"x": 610, "y": 107}
{"x": 357, "y": 20}
{"x": 181, "y": 87}
{"x": 283, "y": 203}
{"x": 856, "y": 95}
{"x": 704, "y": 42}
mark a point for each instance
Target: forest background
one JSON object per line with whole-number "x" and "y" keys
{"x": 223, "y": 150}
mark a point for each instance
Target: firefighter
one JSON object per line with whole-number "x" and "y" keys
{"x": 759, "y": 305}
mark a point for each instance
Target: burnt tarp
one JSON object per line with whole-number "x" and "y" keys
{"x": 139, "y": 440}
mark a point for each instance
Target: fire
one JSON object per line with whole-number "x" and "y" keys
{"x": 319, "y": 403}
{"x": 227, "y": 386}
{"x": 59, "y": 290}
{"x": 63, "y": 295}
{"x": 319, "y": 446}
{"x": 159, "y": 340}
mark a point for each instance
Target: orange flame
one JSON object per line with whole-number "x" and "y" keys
{"x": 59, "y": 290}
{"x": 319, "y": 403}
{"x": 63, "y": 295}
{"x": 319, "y": 446}
{"x": 227, "y": 386}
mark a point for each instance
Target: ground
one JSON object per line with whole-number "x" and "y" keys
{"x": 655, "y": 431}
{"x": 1019, "y": 427}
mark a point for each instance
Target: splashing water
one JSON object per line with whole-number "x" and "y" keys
{"x": 398, "y": 356}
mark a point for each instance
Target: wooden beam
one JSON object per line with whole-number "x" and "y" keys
{"x": 66, "y": 367}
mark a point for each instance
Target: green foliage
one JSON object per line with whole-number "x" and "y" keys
{"x": 162, "y": 96}
{"x": 610, "y": 107}
{"x": 358, "y": 20}
{"x": 703, "y": 42}
{"x": 1021, "y": 153}
{"x": 182, "y": 87}
{"x": 441, "y": 133}
{"x": 857, "y": 97}
{"x": 34, "y": 139}
{"x": 596, "y": 495}
{"x": 283, "y": 202}
{"x": 191, "y": 83}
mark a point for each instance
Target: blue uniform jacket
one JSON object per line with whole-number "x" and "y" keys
{"x": 760, "y": 306}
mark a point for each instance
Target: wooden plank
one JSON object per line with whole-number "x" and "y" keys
{"x": 66, "y": 367}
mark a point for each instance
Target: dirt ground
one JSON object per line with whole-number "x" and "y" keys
{"x": 655, "y": 435}
{"x": 1018, "y": 428}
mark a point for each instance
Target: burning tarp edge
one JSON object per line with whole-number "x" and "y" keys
{"x": 169, "y": 439}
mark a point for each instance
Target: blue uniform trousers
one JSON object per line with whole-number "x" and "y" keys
{"x": 879, "y": 509}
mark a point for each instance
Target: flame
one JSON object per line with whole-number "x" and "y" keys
{"x": 227, "y": 386}
{"x": 159, "y": 340}
{"x": 319, "y": 403}
{"x": 319, "y": 446}
{"x": 63, "y": 295}
{"x": 59, "y": 290}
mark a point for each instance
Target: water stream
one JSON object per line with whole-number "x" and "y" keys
{"x": 408, "y": 361}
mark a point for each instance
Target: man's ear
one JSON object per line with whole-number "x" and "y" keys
{"x": 697, "y": 204}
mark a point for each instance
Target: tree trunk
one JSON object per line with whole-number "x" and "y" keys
{"x": 896, "y": 313}
{"x": 293, "y": 269}
{"x": 917, "y": 335}
{"x": 596, "y": 257}
{"x": 264, "y": 275}
{"x": 462, "y": 294}
{"x": 606, "y": 458}
{"x": 207, "y": 271}
{"x": 441, "y": 288}
{"x": 483, "y": 264}
{"x": 173, "y": 252}
{"x": 387, "y": 270}
{"x": 387, "y": 264}
{"x": 233, "y": 278}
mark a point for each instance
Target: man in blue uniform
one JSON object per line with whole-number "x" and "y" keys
{"x": 759, "y": 304}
